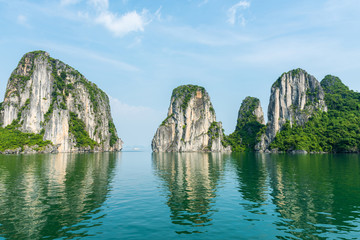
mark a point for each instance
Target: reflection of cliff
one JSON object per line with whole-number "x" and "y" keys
{"x": 47, "y": 195}
{"x": 251, "y": 172}
{"x": 191, "y": 180}
{"x": 312, "y": 192}
{"x": 306, "y": 196}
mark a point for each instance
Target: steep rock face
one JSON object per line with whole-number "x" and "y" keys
{"x": 251, "y": 108}
{"x": 295, "y": 97}
{"x": 46, "y": 96}
{"x": 190, "y": 124}
{"x": 250, "y": 122}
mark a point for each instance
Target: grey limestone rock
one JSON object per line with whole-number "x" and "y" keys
{"x": 295, "y": 97}
{"x": 190, "y": 125}
{"x": 44, "y": 95}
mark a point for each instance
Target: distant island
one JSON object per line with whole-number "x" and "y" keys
{"x": 50, "y": 107}
{"x": 304, "y": 116}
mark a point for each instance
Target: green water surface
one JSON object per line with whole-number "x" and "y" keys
{"x": 143, "y": 195}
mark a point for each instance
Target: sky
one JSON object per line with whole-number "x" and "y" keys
{"x": 139, "y": 51}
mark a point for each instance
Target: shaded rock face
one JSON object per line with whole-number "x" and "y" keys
{"x": 250, "y": 124}
{"x": 332, "y": 84}
{"x": 251, "y": 108}
{"x": 295, "y": 97}
{"x": 41, "y": 96}
{"x": 190, "y": 125}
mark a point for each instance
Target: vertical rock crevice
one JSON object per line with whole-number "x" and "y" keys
{"x": 295, "y": 97}
{"x": 43, "y": 92}
{"x": 190, "y": 124}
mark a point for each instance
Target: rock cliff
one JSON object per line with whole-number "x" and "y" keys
{"x": 45, "y": 96}
{"x": 190, "y": 124}
{"x": 250, "y": 110}
{"x": 295, "y": 97}
{"x": 249, "y": 123}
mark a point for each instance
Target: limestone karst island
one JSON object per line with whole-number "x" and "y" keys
{"x": 179, "y": 120}
{"x": 304, "y": 115}
{"x": 50, "y": 107}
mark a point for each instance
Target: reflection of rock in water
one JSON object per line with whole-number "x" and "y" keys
{"x": 46, "y": 195}
{"x": 310, "y": 194}
{"x": 251, "y": 172}
{"x": 191, "y": 179}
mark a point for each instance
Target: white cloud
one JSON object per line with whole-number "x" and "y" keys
{"x": 121, "y": 25}
{"x": 99, "y": 12}
{"x": 233, "y": 12}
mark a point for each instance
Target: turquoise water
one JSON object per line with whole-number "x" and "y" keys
{"x": 140, "y": 195}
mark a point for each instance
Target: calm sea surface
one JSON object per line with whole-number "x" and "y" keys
{"x": 140, "y": 195}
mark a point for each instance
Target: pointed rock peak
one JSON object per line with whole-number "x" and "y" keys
{"x": 250, "y": 110}
{"x": 187, "y": 90}
{"x": 26, "y": 67}
{"x": 333, "y": 84}
{"x": 36, "y": 53}
{"x": 294, "y": 98}
{"x": 190, "y": 125}
{"x": 292, "y": 75}
{"x": 295, "y": 73}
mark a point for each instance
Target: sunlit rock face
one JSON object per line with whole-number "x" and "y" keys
{"x": 190, "y": 125}
{"x": 295, "y": 97}
{"x": 44, "y": 95}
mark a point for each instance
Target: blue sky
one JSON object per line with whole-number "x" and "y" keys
{"x": 138, "y": 51}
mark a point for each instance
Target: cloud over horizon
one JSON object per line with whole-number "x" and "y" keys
{"x": 118, "y": 24}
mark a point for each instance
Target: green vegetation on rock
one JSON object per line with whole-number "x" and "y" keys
{"x": 112, "y": 131}
{"x": 214, "y": 130}
{"x": 166, "y": 119}
{"x": 337, "y": 130}
{"x": 248, "y": 129}
{"x": 294, "y": 73}
{"x": 11, "y": 138}
{"x": 185, "y": 93}
{"x": 77, "y": 128}
{"x": 93, "y": 91}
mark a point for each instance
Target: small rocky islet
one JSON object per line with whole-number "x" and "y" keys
{"x": 50, "y": 107}
{"x": 190, "y": 125}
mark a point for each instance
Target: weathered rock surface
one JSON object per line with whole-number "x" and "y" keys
{"x": 46, "y": 96}
{"x": 295, "y": 97}
{"x": 250, "y": 124}
{"x": 250, "y": 109}
{"x": 190, "y": 125}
